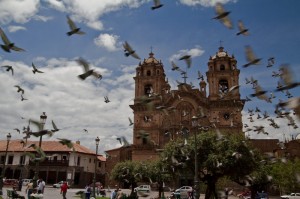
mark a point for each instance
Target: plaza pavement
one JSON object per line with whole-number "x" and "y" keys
{"x": 54, "y": 193}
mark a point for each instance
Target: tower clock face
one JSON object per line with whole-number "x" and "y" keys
{"x": 226, "y": 116}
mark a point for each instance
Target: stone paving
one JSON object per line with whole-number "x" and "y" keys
{"x": 54, "y": 193}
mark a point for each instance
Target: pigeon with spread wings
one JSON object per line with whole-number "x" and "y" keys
{"x": 35, "y": 70}
{"x": 242, "y": 29}
{"x": 251, "y": 58}
{"x": 73, "y": 28}
{"x": 9, "y": 68}
{"x": 7, "y": 44}
{"x": 87, "y": 71}
{"x": 222, "y": 15}
{"x": 129, "y": 51}
{"x": 157, "y": 4}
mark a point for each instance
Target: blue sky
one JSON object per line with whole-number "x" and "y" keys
{"x": 179, "y": 27}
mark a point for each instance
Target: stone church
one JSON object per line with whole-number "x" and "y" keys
{"x": 161, "y": 114}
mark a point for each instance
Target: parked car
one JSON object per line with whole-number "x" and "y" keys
{"x": 244, "y": 195}
{"x": 58, "y": 185}
{"x": 291, "y": 196}
{"x": 143, "y": 188}
{"x": 11, "y": 182}
{"x": 25, "y": 182}
{"x": 184, "y": 189}
{"x": 183, "y": 192}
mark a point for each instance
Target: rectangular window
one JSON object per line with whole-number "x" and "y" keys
{"x": 2, "y": 159}
{"x": 22, "y": 160}
{"x": 10, "y": 159}
{"x": 78, "y": 161}
{"x": 99, "y": 164}
{"x": 90, "y": 160}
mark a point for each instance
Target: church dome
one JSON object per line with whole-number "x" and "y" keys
{"x": 151, "y": 59}
{"x": 220, "y": 53}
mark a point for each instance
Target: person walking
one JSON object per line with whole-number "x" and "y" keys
{"x": 88, "y": 191}
{"x": 41, "y": 185}
{"x": 29, "y": 189}
{"x": 63, "y": 190}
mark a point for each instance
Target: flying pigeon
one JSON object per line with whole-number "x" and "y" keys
{"x": 129, "y": 51}
{"x": 87, "y": 71}
{"x": 66, "y": 142}
{"x": 242, "y": 29}
{"x": 22, "y": 98}
{"x": 106, "y": 100}
{"x": 174, "y": 66}
{"x": 9, "y": 68}
{"x": 130, "y": 121}
{"x": 222, "y": 15}
{"x": 20, "y": 89}
{"x": 187, "y": 59}
{"x": 73, "y": 28}
{"x": 157, "y": 4}
{"x": 252, "y": 60}
{"x": 35, "y": 70}
{"x": 7, "y": 44}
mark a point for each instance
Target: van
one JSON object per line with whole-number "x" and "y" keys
{"x": 143, "y": 188}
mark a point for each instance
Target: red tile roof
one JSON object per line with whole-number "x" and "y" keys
{"x": 47, "y": 146}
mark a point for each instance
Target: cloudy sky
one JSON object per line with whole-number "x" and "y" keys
{"x": 179, "y": 27}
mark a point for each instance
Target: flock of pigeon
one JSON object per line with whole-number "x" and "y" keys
{"x": 286, "y": 81}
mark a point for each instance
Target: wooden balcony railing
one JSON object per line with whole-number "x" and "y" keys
{"x": 52, "y": 163}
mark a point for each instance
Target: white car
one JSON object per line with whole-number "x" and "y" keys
{"x": 184, "y": 189}
{"x": 183, "y": 192}
{"x": 143, "y": 188}
{"x": 291, "y": 196}
{"x": 58, "y": 185}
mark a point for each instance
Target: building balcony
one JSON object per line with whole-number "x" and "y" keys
{"x": 52, "y": 163}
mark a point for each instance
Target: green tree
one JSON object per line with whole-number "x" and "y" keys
{"x": 286, "y": 175}
{"x": 217, "y": 156}
{"x": 158, "y": 174}
{"x": 130, "y": 172}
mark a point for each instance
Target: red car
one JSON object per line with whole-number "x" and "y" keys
{"x": 245, "y": 195}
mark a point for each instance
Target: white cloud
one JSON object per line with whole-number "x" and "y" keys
{"x": 17, "y": 11}
{"x": 194, "y": 52}
{"x": 205, "y": 3}
{"x": 42, "y": 18}
{"x": 15, "y": 28}
{"x": 107, "y": 41}
{"x": 73, "y": 104}
{"x": 90, "y": 12}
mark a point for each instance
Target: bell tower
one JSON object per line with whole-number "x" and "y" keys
{"x": 224, "y": 101}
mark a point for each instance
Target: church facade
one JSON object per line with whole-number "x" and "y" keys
{"x": 162, "y": 114}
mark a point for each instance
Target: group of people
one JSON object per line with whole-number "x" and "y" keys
{"x": 36, "y": 192}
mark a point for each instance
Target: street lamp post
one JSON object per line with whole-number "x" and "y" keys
{"x": 43, "y": 119}
{"x": 96, "y": 161}
{"x": 196, "y": 179}
{"x": 8, "y": 137}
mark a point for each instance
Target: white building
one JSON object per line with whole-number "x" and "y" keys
{"x": 62, "y": 163}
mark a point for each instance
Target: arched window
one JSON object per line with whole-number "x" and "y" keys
{"x": 148, "y": 73}
{"x": 222, "y": 67}
{"x": 148, "y": 89}
{"x": 223, "y": 86}
{"x": 157, "y": 72}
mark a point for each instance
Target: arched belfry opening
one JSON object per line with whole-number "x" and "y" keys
{"x": 148, "y": 89}
{"x": 223, "y": 86}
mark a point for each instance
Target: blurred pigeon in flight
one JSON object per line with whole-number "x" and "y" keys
{"x": 252, "y": 60}
{"x": 87, "y": 71}
{"x": 20, "y": 89}
{"x": 187, "y": 59}
{"x": 73, "y": 28}
{"x": 66, "y": 142}
{"x": 242, "y": 29}
{"x": 271, "y": 62}
{"x": 157, "y": 4}
{"x": 222, "y": 15}
{"x": 129, "y": 51}
{"x": 130, "y": 121}
{"x": 22, "y": 98}
{"x": 9, "y": 68}
{"x": 288, "y": 79}
{"x": 35, "y": 70}
{"x": 106, "y": 100}
{"x": 7, "y": 44}
{"x": 174, "y": 66}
